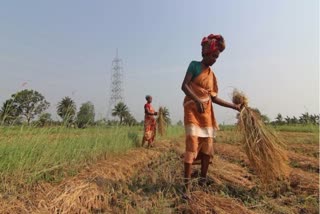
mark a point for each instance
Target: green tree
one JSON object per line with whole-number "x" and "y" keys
{"x": 314, "y": 119}
{"x": 279, "y": 119}
{"x": 85, "y": 115}
{"x": 9, "y": 112}
{"x": 120, "y": 110}
{"x": 66, "y": 109}
{"x": 112, "y": 122}
{"x": 179, "y": 123}
{"x": 44, "y": 119}
{"x": 294, "y": 120}
{"x": 101, "y": 122}
{"x": 29, "y": 103}
{"x": 305, "y": 118}
{"x": 288, "y": 120}
{"x": 263, "y": 117}
{"x": 129, "y": 120}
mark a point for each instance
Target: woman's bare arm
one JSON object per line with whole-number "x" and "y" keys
{"x": 226, "y": 104}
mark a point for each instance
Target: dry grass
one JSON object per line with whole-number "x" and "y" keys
{"x": 84, "y": 193}
{"x": 224, "y": 172}
{"x": 231, "y": 153}
{"x": 202, "y": 202}
{"x": 161, "y": 122}
{"x": 304, "y": 182}
{"x": 263, "y": 148}
{"x": 239, "y": 97}
{"x": 303, "y": 162}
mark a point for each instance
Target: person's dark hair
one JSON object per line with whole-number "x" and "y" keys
{"x": 147, "y": 97}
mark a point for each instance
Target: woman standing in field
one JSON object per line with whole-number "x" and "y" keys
{"x": 201, "y": 90}
{"x": 149, "y": 123}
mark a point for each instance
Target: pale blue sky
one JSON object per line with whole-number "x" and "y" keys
{"x": 65, "y": 48}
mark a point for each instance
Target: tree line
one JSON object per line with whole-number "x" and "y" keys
{"x": 305, "y": 119}
{"x": 29, "y": 106}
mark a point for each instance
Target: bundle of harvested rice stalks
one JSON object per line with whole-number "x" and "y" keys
{"x": 202, "y": 202}
{"x": 161, "y": 121}
{"x": 264, "y": 149}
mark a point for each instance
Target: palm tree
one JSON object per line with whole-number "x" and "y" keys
{"x": 305, "y": 118}
{"x": 288, "y": 120}
{"x": 120, "y": 110}
{"x": 279, "y": 119}
{"x": 166, "y": 115}
{"x": 9, "y": 112}
{"x": 66, "y": 110}
{"x": 314, "y": 118}
{"x": 294, "y": 120}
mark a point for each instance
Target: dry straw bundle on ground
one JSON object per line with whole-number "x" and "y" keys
{"x": 202, "y": 202}
{"x": 161, "y": 122}
{"x": 263, "y": 148}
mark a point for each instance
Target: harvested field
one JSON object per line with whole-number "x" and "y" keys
{"x": 150, "y": 181}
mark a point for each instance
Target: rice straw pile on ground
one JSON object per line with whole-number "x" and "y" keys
{"x": 161, "y": 122}
{"x": 263, "y": 148}
{"x": 202, "y": 202}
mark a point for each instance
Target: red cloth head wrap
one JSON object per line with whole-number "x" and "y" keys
{"x": 210, "y": 44}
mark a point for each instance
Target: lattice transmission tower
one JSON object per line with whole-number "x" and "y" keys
{"x": 116, "y": 84}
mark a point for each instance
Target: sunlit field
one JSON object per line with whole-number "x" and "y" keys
{"x": 105, "y": 170}
{"x": 30, "y": 154}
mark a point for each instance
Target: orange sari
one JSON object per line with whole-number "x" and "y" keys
{"x": 149, "y": 124}
{"x": 200, "y": 127}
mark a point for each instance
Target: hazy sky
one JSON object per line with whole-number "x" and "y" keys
{"x": 66, "y": 48}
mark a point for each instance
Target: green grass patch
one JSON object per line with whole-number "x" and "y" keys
{"x": 32, "y": 154}
{"x": 172, "y": 132}
{"x": 41, "y": 153}
{"x": 297, "y": 128}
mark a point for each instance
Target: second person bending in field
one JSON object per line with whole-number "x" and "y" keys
{"x": 150, "y": 123}
{"x": 201, "y": 90}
